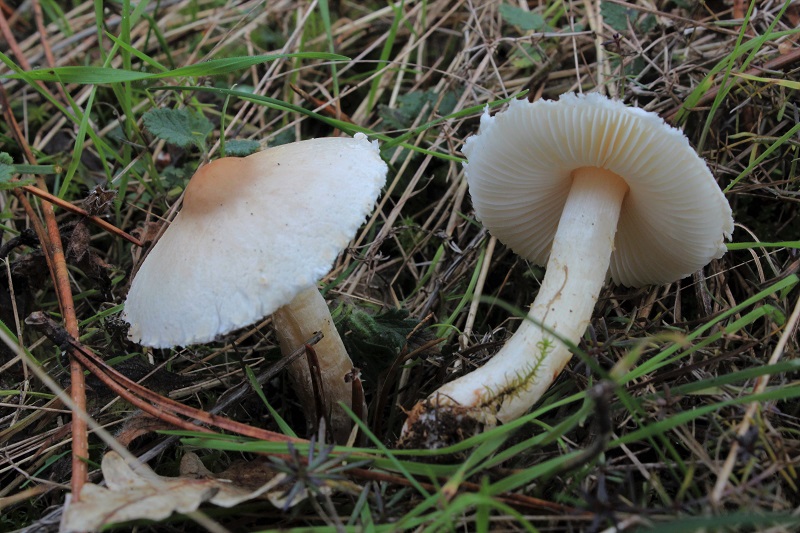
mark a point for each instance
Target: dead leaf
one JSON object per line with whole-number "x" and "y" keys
{"x": 99, "y": 201}
{"x": 80, "y": 251}
{"x": 138, "y": 425}
{"x": 250, "y": 474}
{"x": 139, "y": 493}
{"x": 146, "y": 234}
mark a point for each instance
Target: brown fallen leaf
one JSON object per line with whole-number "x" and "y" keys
{"x": 249, "y": 475}
{"x": 137, "y": 425}
{"x": 139, "y": 493}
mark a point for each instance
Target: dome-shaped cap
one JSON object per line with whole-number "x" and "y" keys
{"x": 252, "y": 234}
{"x": 674, "y": 218}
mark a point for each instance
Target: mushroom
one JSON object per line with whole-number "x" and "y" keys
{"x": 588, "y": 186}
{"x": 254, "y": 236}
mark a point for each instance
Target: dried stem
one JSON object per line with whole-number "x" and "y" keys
{"x": 50, "y": 240}
{"x": 97, "y": 221}
{"x": 161, "y": 407}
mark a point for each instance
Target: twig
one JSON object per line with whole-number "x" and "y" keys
{"x": 477, "y": 293}
{"x": 167, "y": 408}
{"x": 97, "y": 221}
{"x": 50, "y": 240}
{"x": 234, "y": 395}
{"x": 317, "y": 389}
{"x": 383, "y": 391}
{"x": 48, "y": 51}
{"x": 323, "y": 106}
{"x": 744, "y": 426}
{"x": 778, "y": 63}
{"x": 159, "y": 406}
{"x": 8, "y": 35}
{"x": 198, "y": 516}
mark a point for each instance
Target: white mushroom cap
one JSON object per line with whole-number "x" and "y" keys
{"x": 673, "y": 221}
{"x": 252, "y": 234}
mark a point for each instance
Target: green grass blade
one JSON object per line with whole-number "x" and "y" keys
{"x": 213, "y": 67}
{"x": 284, "y": 427}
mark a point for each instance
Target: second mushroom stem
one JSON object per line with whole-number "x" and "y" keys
{"x": 519, "y": 374}
{"x": 296, "y": 322}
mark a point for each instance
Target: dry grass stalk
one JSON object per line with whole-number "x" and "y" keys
{"x": 671, "y": 444}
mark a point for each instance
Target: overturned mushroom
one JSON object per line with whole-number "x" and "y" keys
{"x": 253, "y": 238}
{"x": 589, "y": 187}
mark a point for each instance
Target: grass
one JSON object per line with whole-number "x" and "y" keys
{"x": 680, "y": 412}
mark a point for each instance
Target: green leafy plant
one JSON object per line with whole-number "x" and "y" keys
{"x": 241, "y": 147}
{"x": 8, "y": 170}
{"x": 181, "y": 127}
{"x": 410, "y": 105}
{"x": 523, "y": 19}
{"x": 688, "y": 366}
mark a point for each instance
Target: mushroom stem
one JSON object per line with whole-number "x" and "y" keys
{"x": 295, "y": 323}
{"x": 518, "y": 375}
